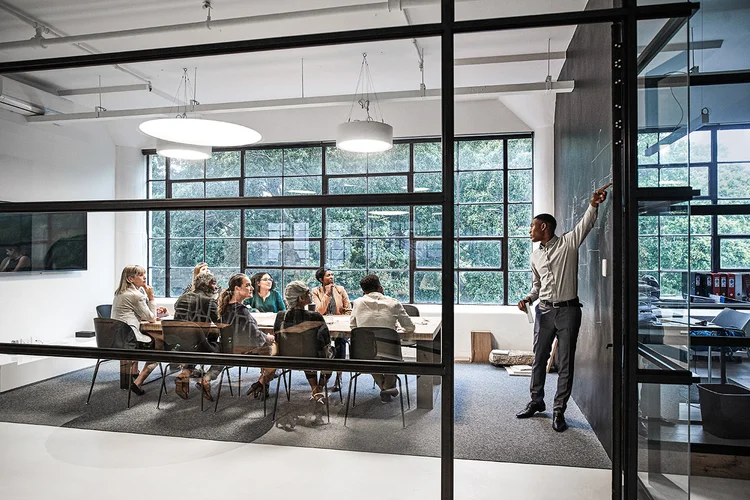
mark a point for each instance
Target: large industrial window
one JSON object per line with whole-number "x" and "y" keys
{"x": 400, "y": 243}
{"x": 719, "y": 166}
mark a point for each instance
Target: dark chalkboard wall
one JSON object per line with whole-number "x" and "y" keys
{"x": 583, "y": 161}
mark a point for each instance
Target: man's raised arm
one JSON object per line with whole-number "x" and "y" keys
{"x": 586, "y": 224}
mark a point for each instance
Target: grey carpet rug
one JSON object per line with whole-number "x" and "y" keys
{"x": 487, "y": 399}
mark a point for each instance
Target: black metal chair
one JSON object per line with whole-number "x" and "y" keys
{"x": 237, "y": 341}
{"x": 411, "y": 310}
{"x": 184, "y": 336}
{"x": 112, "y": 334}
{"x": 104, "y": 311}
{"x": 375, "y": 343}
{"x": 300, "y": 345}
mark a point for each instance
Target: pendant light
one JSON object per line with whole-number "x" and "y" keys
{"x": 371, "y": 135}
{"x": 182, "y": 151}
{"x": 197, "y": 131}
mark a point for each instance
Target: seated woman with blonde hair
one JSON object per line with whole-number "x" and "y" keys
{"x": 133, "y": 303}
{"x": 297, "y": 319}
{"x": 248, "y": 338}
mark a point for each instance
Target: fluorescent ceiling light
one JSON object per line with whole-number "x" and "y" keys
{"x": 421, "y": 189}
{"x": 182, "y": 151}
{"x": 200, "y": 132}
{"x": 300, "y": 191}
{"x": 388, "y": 212}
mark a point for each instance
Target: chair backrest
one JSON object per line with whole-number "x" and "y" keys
{"x": 372, "y": 343}
{"x": 411, "y": 310}
{"x": 104, "y": 311}
{"x": 113, "y": 333}
{"x": 183, "y": 336}
{"x": 298, "y": 344}
{"x": 729, "y": 318}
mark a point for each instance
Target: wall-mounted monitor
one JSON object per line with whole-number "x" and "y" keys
{"x": 42, "y": 242}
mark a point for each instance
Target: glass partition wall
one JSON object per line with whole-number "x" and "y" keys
{"x": 332, "y": 212}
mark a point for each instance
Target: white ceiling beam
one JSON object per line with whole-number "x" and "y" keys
{"x": 462, "y": 93}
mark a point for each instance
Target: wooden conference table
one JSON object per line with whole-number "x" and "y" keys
{"x": 426, "y": 336}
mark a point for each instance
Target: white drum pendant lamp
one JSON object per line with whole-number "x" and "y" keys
{"x": 364, "y": 137}
{"x": 182, "y": 151}
{"x": 371, "y": 135}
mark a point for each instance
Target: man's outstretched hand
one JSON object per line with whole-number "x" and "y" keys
{"x": 599, "y": 196}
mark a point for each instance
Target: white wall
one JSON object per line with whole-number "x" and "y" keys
{"x": 57, "y": 163}
{"x": 130, "y": 227}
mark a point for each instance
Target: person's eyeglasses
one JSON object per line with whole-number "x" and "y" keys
{"x": 266, "y": 279}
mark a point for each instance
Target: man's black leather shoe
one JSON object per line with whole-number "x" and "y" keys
{"x": 558, "y": 421}
{"x": 530, "y": 409}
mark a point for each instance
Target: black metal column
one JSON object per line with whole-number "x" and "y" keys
{"x": 629, "y": 258}
{"x": 618, "y": 140}
{"x": 448, "y": 133}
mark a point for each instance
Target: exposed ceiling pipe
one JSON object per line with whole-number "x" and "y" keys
{"x": 387, "y": 6}
{"x": 513, "y": 58}
{"x": 105, "y": 90}
{"x": 462, "y": 93}
{"x": 42, "y": 27}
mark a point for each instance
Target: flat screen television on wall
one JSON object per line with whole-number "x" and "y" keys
{"x": 42, "y": 242}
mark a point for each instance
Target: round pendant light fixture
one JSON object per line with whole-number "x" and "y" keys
{"x": 181, "y": 151}
{"x": 371, "y": 135}
{"x": 364, "y": 137}
{"x": 197, "y": 131}
{"x": 200, "y": 132}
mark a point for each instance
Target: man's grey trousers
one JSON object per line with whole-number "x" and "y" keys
{"x": 551, "y": 322}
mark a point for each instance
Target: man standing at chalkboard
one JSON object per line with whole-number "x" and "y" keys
{"x": 554, "y": 268}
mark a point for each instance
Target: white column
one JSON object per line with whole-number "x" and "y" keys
{"x": 544, "y": 170}
{"x": 130, "y": 227}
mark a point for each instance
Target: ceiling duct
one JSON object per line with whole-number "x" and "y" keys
{"x": 18, "y": 106}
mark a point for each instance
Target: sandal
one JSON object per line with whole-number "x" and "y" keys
{"x": 205, "y": 387}
{"x": 254, "y": 389}
{"x": 319, "y": 397}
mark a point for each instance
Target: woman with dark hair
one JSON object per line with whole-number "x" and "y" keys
{"x": 248, "y": 338}
{"x": 15, "y": 260}
{"x": 265, "y": 296}
{"x": 300, "y": 321}
{"x": 332, "y": 299}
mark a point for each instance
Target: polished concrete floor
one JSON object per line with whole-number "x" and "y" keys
{"x": 39, "y": 461}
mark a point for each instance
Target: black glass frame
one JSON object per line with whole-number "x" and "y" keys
{"x": 625, "y": 126}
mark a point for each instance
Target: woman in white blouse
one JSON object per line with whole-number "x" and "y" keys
{"x": 133, "y": 303}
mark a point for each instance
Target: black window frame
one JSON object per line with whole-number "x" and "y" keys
{"x": 411, "y": 270}
{"x": 712, "y": 198}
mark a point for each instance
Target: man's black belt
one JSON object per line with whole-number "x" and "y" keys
{"x": 564, "y": 303}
